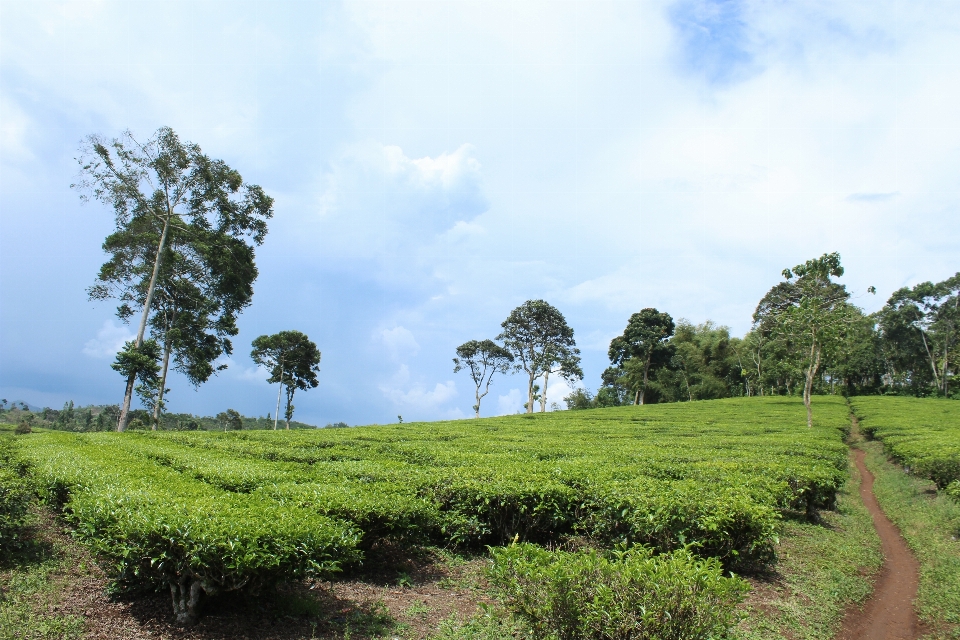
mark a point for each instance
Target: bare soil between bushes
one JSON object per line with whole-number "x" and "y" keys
{"x": 888, "y": 614}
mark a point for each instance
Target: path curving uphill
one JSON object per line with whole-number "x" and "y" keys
{"x": 889, "y": 613}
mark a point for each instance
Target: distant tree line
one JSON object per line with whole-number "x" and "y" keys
{"x": 807, "y": 338}
{"x": 104, "y": 418}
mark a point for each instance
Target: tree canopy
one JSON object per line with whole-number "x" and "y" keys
{"x": 482, "y": 358}
{"x": 641, "y": 346}
{"x": 293, "y": 361}
{"x": 173, "y": 204}
{"x": 542, "y": 343}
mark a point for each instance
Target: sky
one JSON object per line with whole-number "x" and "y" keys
{"x": 436, "y": 164}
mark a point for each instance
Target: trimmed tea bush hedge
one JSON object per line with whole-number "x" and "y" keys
{"x": 159, "y": 528}
{"x": 15, "y": 496}
{"x": 922, "y": 434}
{"x": 626, "y": 593}
{"x": 227, "y": 510}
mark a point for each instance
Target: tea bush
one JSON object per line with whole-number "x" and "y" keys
{"x": 923, "y": 434}
{"x": 626, "y": 593}
{"x": 15, "y": 497}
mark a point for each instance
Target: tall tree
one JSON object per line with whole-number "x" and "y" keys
{"x": 156, "y": 187}
{"x": 642, "y": 344}
{"x": 482, "y": 358}
{"x": 538, "y": 336}
{"x": 811, "y": 311}
{"x": 932, "y": 312}
{"x": 292, "y": 360}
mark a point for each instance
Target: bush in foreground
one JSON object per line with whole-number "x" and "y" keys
{"x": 622, "y": 594}
{"x": 15, "y": 497}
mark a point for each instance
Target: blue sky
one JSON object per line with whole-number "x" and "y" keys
{"x": 435, "y": 164}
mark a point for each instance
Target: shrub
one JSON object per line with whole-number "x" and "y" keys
{"x": 15, "y": 498}
{"x": 627, "y": 593}
{"x": 23, "y": 428}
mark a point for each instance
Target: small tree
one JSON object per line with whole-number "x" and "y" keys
{"x": 483, "y": 358}
{"x": 812, "y": 313}
{"x": 642, "y": 344}
{"x": 293, "y": 361}
{"x": 230, "y": 420}
{"x": 538, "y": 337}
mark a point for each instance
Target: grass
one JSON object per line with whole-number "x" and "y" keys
{"x": 821, "y": 568}
{"x": 31, "y": 585}
{"x": 930, "y": 523}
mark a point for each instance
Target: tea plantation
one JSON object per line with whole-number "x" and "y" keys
{"x": 202, "y": 512}
{"x": 921, "y": 434}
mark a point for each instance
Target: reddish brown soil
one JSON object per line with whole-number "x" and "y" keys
{"x": 889, "y": 613}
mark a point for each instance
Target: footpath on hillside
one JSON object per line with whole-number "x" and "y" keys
{"x": 889, "y": 613}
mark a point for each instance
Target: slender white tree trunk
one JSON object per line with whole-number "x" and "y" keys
{"x": 128, "y": 394}
{"x": 530, "y": 391}
{"x": 933, "y": 361}
{"x": 163, "y": 385}
{"x": 543, "y": 394}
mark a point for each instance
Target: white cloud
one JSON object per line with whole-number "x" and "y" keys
{"x": 399, "y": 342}
{"x": 377, "y": 202}
{"x": 510, "y": 403}
{"x": 415, "y": 395}
{"x": 109, "y": 340}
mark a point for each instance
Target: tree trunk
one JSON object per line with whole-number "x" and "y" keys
{"x": 476, "y": 407}
{"x": 276, "y": 416}
{"x": 543, "y": 394}
{"x": 646, "y": 370}
{"x": 808, "y": 385}
{"x": 530, "y": 391}
{"x": 163, "y": 378}
{"x": 289, "y": 412}
{"x": 163, "y": 386}
{"x": 128, "y": 395}
{"x": 933, "y": 361}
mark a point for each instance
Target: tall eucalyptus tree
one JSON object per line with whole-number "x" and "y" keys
{"x": 186, "y": 202}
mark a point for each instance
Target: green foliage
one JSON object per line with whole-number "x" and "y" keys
{"x": 180, "y": 251}
{"x": 711, "y": 476}
{"x": 641, "y": 349}
{"x": 542, "y": 343}
{"x": 482, "y": 358}
{"x": 921, "y": 335}
{"x": 159, "y": 528}
{"x": 15, "y": 496}
{"x": 921, "y": 434}
{"x": 292, "y": 359}
{"x": 624, "y": 593}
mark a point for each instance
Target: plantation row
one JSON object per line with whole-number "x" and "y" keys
{"x": 203, "y": 512}
{"x": 921, "y": 434}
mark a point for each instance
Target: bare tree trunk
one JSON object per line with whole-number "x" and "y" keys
{"x": 128, "y": 394}
{"x": 543, "y": 394}
{"x": 933, "y": 361}
{"x": 530, "y": 391}
{"x": 646, "y": 370}
{"x": 163, "y": 386}
{"x": 157, "y": 408}
{"x": 276, "y": 416}
{"x": 808, "y": 385}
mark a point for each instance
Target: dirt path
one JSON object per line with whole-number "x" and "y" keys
{"x": 889, "y": 613}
